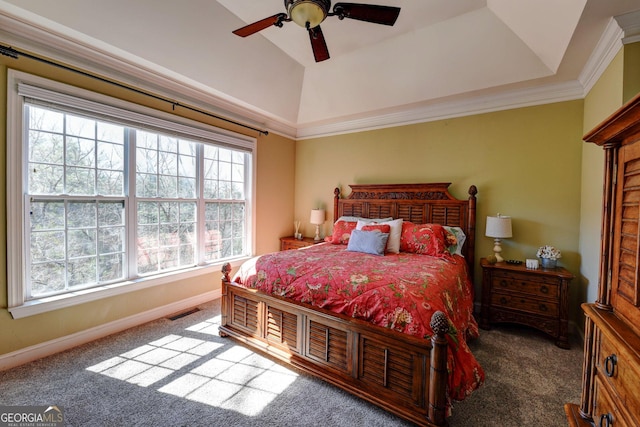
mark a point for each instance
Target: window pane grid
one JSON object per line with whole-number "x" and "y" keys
{"x": 224, "y": 173}
{"x": 224, "y": 229}
{"x": 67, "y": 157}
{"x": 75, "y": 244}
{"x": 77, "y": 174}
{"x": 166, "y": 236}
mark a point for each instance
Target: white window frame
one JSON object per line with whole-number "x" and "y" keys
{"x": 20, "y": 85}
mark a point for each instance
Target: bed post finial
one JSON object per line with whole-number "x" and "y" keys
{"x": 224, "y": 307}
{"x": 437, "y": 386}
{"x": 471, "y": 228}
{"x": 226, "y": 269}
{"x": 473, "y": 190}
{"x": 439, "y": 323}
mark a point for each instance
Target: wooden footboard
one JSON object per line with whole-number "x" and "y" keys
{"x": 400, "y": 373}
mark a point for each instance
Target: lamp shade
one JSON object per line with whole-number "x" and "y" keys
{"x": 498, "y": 227}
{"x": 317, "y": 216}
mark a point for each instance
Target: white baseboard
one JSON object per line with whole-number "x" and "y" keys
{"x": 38, "y": 351}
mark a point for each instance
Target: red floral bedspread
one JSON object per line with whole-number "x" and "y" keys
{"x": 396, "y": 291}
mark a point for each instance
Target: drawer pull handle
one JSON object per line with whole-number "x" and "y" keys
{"x": 503, "y": 283}
{"x": 606, "y": 420}
{"x": 543, "y": 307}
{"x": 544, "y": 289}
{"x": 610, "y": 365}
{"x": 503, "y": 300}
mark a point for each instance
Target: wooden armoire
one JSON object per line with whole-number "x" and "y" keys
{"x": 611, "y": 368}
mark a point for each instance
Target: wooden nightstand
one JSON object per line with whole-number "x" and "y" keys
{"x": 290, "y": 242}
{"x": 537, "y": 298}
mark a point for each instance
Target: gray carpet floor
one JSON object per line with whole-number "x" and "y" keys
{"x": 181, "y": 373}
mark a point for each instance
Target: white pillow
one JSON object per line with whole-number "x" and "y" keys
{"x": 393, "y": 244}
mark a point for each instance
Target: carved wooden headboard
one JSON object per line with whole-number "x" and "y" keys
{"x": 418, "y": 203}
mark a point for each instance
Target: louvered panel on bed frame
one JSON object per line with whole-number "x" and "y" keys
{"x": 327, "y": 345}
{"x": 403, "y": 374}
{"x": 245, "y": 314}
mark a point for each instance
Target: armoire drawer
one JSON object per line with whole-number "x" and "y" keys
{"x": 621, "y": 373}
{"x": 605, "y": 411}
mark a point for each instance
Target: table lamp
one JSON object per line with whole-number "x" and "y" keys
{"x": 498, "y": 227}
{"x": 317, "y": 219}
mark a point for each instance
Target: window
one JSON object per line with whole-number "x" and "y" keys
{"x": 104, "y": 193}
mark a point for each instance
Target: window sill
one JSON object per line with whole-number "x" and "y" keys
{"x": 44, "y": 305}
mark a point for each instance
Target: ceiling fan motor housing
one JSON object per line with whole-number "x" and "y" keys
{"x": 307, "y": 13}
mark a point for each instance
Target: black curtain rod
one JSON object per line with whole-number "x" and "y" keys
{"x": 13, "y": 53}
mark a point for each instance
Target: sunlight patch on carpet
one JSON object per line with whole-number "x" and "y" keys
{"x": 209, "y": 327}
{"x": 150, "y": 363}
{"x": 235, "y": 378}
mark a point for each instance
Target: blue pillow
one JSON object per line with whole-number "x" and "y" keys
{"x": 369, "y": 242}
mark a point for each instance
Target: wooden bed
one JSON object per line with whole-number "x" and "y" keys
{"x": 403, "y": 374}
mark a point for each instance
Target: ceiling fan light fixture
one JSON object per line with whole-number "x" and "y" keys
{"x": 312, "y": 12}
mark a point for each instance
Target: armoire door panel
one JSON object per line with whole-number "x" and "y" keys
{"x": 625, "y": 295}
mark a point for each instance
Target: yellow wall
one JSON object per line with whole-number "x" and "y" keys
{"x": 529, "y": 163}
{"x": 631, "y": 75}
{"x": 603, "y": 99}
{"x": 274, "y": 204}
{"x": 525, "y": 162}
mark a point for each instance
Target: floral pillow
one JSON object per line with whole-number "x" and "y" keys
{"x": 341, "y": 232}
{"x": 383, "y": 228}
{"x": 426, "y": 239}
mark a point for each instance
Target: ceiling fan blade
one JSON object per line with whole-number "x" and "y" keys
{"x": 318, "y": 44}
{"x": 261, "y": 25}
{"x": 385, "y": 15}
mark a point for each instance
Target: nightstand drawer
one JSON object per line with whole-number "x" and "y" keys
{"x": 289, "y": 243}
{"x": 616, "y": 366}
{"x": 529, "y": 305}
{"x": 294, "y": 244}
{"x": 533, "y": 297}
{"x": 526, "y": 284}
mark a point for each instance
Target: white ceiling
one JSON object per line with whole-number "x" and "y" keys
{"x": 442, "y": 58}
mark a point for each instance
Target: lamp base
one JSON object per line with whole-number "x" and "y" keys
{"x": 317, "y": 237}
{"x": 497, "y": 248}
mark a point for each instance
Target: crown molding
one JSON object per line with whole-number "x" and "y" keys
{"x": 53, "y": 41}
{"x": 607, "y": 48}
{"x": 630, "y": 24}
{"x": 450, "y": 109}
{"x": 49, "y": 39}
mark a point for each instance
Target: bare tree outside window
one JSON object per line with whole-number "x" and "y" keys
{"x": 80, "y": 192}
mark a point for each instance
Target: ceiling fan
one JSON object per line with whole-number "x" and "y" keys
{"x": 310, "y": 13}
